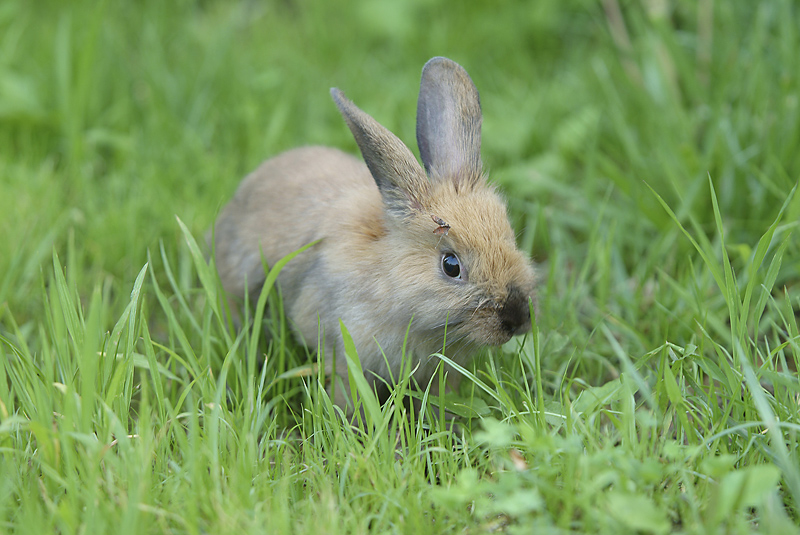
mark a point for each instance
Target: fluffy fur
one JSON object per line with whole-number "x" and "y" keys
{"x": 378, "y": 265}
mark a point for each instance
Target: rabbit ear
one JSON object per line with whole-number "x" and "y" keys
{"x": 449, "y": 122}
{"x": 401, "y": 180}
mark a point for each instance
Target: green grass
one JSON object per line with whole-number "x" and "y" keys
{"x": 649, "y": 151}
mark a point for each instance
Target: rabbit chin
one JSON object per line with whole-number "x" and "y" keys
{"x": 491, "y": 335}
{"x": 468, "y": 335}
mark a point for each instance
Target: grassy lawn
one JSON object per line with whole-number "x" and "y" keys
{"x": 649, "y": 151}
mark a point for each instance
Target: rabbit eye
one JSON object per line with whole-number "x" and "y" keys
{"x": 451, "y": 266}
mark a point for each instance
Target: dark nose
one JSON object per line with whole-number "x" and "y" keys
{"x": 515, "y": 315}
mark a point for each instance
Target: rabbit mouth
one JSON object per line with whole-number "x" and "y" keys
{"x": 496, "y": 324}
{"x": 487, "y": 321}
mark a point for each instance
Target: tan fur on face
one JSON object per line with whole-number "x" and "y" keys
{"x": 481, "y": 237}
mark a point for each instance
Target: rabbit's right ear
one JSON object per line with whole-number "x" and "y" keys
{"x": 449, "y": 123}
{"x": 400, "y": 179}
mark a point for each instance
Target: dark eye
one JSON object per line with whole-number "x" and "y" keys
{"x": 451, "y": 266}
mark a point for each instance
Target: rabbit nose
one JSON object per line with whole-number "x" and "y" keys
{"x": 515, "y": 315}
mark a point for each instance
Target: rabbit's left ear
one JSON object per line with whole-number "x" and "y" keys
{"x": 449, "y": 123}
{"x": 400, "y": 178}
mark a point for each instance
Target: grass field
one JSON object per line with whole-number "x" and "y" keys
{"x": 650, "y": 154}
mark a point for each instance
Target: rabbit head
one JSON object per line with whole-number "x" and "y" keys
{"x": 456, "y": 266}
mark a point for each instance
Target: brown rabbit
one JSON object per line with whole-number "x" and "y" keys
{"x": 407, "y": 257}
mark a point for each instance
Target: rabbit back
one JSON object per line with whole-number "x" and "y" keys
{"x": 289, "y": 201}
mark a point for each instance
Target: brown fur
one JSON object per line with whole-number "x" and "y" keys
{"x": 378, "y": 265}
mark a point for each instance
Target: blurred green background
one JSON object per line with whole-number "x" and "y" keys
{"x": 116, "y": 116}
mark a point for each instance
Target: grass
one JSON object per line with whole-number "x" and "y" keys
{"x": 649, "y": 152}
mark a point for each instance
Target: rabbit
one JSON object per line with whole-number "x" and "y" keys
{"x": 413, "y": 260}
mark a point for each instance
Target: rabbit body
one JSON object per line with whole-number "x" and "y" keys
{"x": 413, "y": 261}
